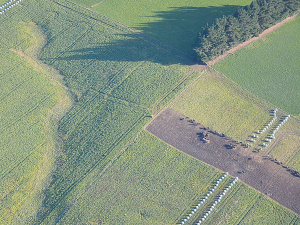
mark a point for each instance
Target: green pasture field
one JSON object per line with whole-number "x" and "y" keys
{"x": 153, "y": 183}
{"x": 27, "y": 102}
{"x": 174, "y": 22}
{"x": 218, "y": 103}
{"x": 115, "y": 77}
{"x": 287, "y": 150}
{"x": 244, "y": 205}
{"x": 269, "y": 68}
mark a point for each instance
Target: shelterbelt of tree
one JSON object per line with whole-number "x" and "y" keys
{"x": 248, "y": 22}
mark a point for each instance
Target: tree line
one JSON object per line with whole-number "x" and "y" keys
{"x": 247, "y": 22}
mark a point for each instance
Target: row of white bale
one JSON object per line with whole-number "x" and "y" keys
{"x": 269, "y": 124}
{"x": 206, "y": 197}
{"x": 9, "y": 5}
{"x": 217, "y": 201}
{"x": 272, "y": 136}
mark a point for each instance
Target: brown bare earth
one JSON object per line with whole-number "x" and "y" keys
{"x": 253, "y": 169}
{"x": 271, "y": 29}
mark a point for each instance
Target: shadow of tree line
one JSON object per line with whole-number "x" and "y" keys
{"x": 175, "y": 33}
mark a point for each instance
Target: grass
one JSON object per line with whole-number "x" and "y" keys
{"x": 269, "y": 68}
{"x": 27, "y": 98}
{"x": 173, "y": 22}
{"x": 244, "y": 205}
{"x": 285, "y": 148}
{"x": 153, "y": 183}
{"x": 150, "y": 183}
{"x": 113, "y": 75}
{"x": 218, "y": 103}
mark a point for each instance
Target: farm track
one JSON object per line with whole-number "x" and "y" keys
{"x": 264, "y": 175}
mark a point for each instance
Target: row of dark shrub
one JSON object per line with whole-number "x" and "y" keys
{"x": 229, "y": 31}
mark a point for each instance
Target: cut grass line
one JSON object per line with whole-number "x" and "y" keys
{"x": 97, "y": 4}
{"x": 156, "y": 105}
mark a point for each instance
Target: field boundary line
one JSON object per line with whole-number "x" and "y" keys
{"x": 180, "y": 82}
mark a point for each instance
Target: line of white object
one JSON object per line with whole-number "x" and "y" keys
{"x": 269, "y": 124}
{"x": 204, "y": 199}
{"x": 278, "y": 126}
{"x": 9, "y": 5}
{"x": 217, "y": 201}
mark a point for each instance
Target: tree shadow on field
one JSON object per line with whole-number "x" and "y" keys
{"x": 175, "y": 33}
{"x": 180, "y": 26}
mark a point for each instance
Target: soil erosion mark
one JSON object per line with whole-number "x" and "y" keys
{"x": 227, "y": 155}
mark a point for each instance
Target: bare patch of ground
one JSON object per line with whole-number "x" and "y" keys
{"x": 271, "y": 29}
{"x": 21, "y": 53}
{"x": 227, "y": 155}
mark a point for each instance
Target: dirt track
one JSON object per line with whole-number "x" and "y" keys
{"x": 256, "y": 171}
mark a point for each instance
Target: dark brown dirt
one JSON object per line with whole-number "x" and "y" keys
{"x": 252, "y": 168}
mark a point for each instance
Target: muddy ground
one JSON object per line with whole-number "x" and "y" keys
{"x": 229, "y": 156}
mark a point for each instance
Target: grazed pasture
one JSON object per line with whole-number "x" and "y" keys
{"x": 269, "y": 68}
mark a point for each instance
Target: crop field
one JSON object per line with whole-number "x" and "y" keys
{"x": 153, "y": 183}
{"x": 269, "y": 68}
{"x": 25, "y": 101}
{"x": 218, "y": 103}
{"x": 173, "y": 22}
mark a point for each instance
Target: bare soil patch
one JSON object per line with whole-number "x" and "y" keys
{"x": 271, "y": 29}
{"x": 227, "y": 155}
